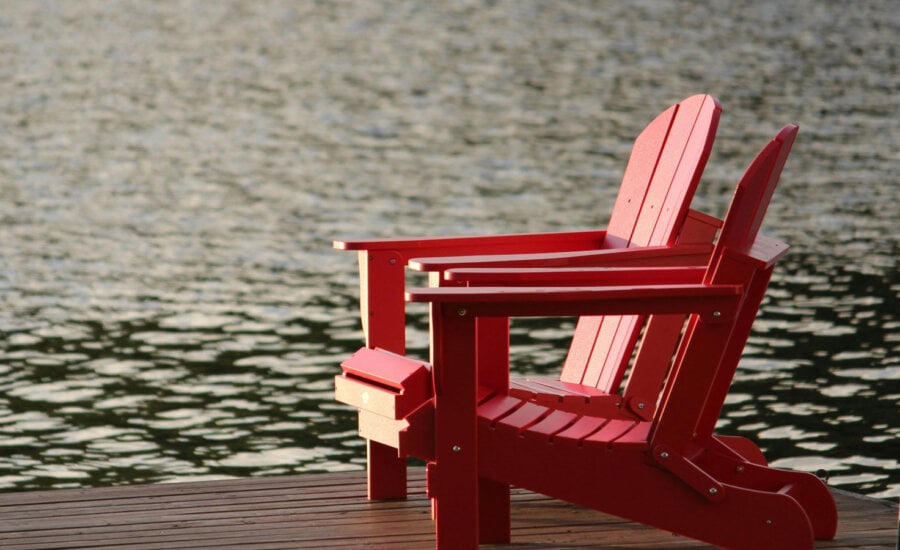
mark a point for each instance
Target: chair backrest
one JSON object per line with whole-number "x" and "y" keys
{"x": 660, "y": 179}
{"x": 709, "y": 352}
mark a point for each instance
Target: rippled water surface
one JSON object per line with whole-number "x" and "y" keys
{"x": 172, "y": 175}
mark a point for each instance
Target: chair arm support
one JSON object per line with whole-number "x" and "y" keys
{"x": 714, "y": 303}
{"x": 676, "y": 255}
{"x": 575, "y": 276}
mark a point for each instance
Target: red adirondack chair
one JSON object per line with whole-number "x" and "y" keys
{"x": 669, "y": 471}
{"x": 650, "y": 212}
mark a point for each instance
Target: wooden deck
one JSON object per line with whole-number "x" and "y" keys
{"x": 329, "y": 511}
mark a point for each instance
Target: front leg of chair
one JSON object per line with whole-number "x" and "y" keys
{"x": 453, "y": 477}
{"x": 385, "y": 472}
{"x": 492, "y": 342}
{"x": 383, "y": 313}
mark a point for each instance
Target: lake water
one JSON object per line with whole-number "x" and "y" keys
{"x": 172, "y": 175}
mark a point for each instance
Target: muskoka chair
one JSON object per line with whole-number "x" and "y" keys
{"x": 650, "y": 224}
{"x": 670, "y": 471}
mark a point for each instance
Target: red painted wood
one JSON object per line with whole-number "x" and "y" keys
{"x": 498, "y": 407}
{"x": 574, "y": 434}
{"x": 382, "y": 261}
{"x": 686, "y": 167}
{"x": 651, "y": 364}
{"x": 708, "y": 365}
{"x": 554, "y": 422}
{"x": 522, "y": 418}
{"x": 583, "y": 276}
{"x": 578, "y": 440}
{"x": 639, "y": 175}
{"x": 704, "y": 299}
{"x": 480, "y": 244}
{"x": 385, "y": 471}
{"x": 699, "y": 228}
{"x": 453, "y": 483}
{"x": 494, "y": 520}
{"x": 384, "y": 326}
{"x": 667, "y": 472}
{"x": 619, "y": 480}
{"x": 651, "y": 216}
{"x": 384, "y": 383}
{"x": 680, "y": 255}
{"x": 609, "y": 433}
{"x": 651, "y": 219}
{"x": 619, "y": 341}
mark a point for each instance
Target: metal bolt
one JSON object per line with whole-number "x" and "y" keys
{"x": 456, "y": 448}
{"x": 768, "y": 522}
{"x": 739, "y": 468}
{"x": 461, "y": 312}
{"x": 664, "y": 455}
{"x": 392, "y": 261}
{"x": 717, "y": 314}
{"x": 713, "y": 490}
{"x": 641, "y": 405}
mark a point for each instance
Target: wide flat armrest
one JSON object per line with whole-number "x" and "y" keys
{"x": 715, "y": 303}
{"x": 576, "y": 276}
{"x": 692, "y": 254}
{"x": 764, "y": 252}
{"x": 486, "y": 244}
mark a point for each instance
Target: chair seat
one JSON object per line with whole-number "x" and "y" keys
{"x": 508, "y": 416}
{"x": 568, "y": 396}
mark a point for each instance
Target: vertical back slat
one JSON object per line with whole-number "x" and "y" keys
{"x": 639, "y": 173}
{"x": 660, "y": 179}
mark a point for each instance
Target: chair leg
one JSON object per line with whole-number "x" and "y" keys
{"x": 809, "y": 491}
{"x": 386, "y": 472}
{"x": 493, "y": 512}
{"x": 453, "y": 478}
{"x": 493, "y": 372}
{"x": 454, "y": 491}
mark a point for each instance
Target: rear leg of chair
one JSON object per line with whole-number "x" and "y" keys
{"x": 493, "y": 512}
{"x": 809, "y": 491}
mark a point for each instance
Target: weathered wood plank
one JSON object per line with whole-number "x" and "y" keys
{"x": 331, "y": 511}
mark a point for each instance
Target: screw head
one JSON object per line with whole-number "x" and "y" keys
{"x": 456, "y": 448}
{"x": 461, "y": 312}
{"x": 713, "y": 490}
{"x": 716, "y": 314}
{"x": 664, "y": 455}
{"x": 641, "y": 405}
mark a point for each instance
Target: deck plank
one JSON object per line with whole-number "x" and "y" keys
{"x": 331, "y": 511}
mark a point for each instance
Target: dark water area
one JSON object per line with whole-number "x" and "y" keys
{"x": 172, "y": 175}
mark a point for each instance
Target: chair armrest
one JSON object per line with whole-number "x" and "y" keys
{"x": 714, "y": 303}
{"x": 489, "y": 244}
{"x": 763, "y": 253}
{"x": 575, "y": 276}
{"x": 676, "y": 255}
